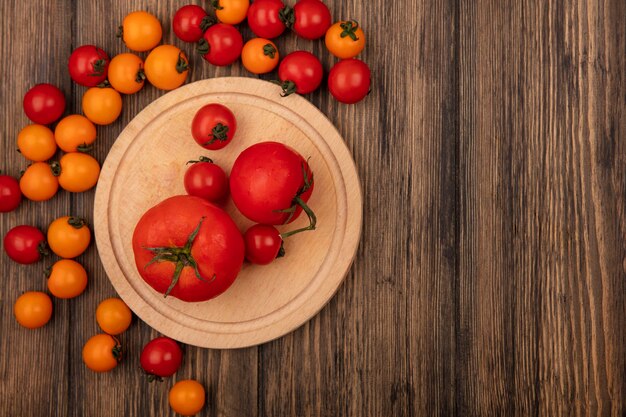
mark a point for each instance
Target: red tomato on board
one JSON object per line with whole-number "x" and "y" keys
{"x": 190, "y": 22}
{"x": 263, "y": 244}
{"x": 206, "y": 180}
{"x": 25, "y": 244}
{"x": 10, "y": 194}
{"x": 300, "y": 72}
{"x": 221, "y": 44}
{"x": 161, "y": 357}
{"x": 44, "y": 104}
{"x": 349, "y": 80}
{"x": 264, "y": 18}
{"x": 213, "y": 126}
{"x": 88, "y": 65}
{"x": 188, "y": 248}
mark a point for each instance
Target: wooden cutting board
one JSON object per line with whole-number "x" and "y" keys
{"x": 147, "y": 164}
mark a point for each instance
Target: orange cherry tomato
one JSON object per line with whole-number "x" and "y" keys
{"x": 68, "y": 236}
{"x": 126, "y": 73}
{"x": 39, "y": 182}
{"x": 75, "y": 133}
{"x": 345, "y": 39}
{"x": 113, "y": 316}
{"x": 260, "y": 56}
{"x": 33, "y": 309}
{"x": 166, "y": 67}
{"x": 36, "y": 143}
{"x": 79, "y": 172}
{"x": 66, "y": 279}
{"x": 231, "y": 12}
{"x": 102, "y": 105}
{"x": 187, "y": 397}
{"x": 102, "y": 353}
{"x": 141, "y": 31}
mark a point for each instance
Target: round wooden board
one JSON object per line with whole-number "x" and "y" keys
{"x": 147, "y": 164}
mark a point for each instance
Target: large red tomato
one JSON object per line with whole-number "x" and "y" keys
{"x": 270, "y": 183}
{"x": 188, "y": 248}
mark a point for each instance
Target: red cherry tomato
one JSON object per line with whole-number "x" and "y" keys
{"x": 25, "y": 244}
{"x": 206, "y": 180}
{"x": 311, "y": 19}
{"x": 10, "y": 194}
{"x": 190, "y": 22}
{"x": 161, "y": 357}
{"x": 300, "y": 72}
{"x": 349, "y": 80}
{"x": 88, "y": 65}
{"x": 263, "y": 244}
{"x": 221, "y": 44}
{"x": 264, "y": 18}
{"x": 213, "y": 126}
{"x": 44, "y": 104}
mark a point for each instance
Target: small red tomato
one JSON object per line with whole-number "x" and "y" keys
{"x": 267, "y": 18}
{"x": 161, "y": 357}
{"x": 213, "y": 126}
{"x": 25, "y": 244}
{"x": 190, "y": 22}
{"x": 44, "y": 104}
{"x": 349, "y": 80}
{"x": 263, "y": 244}
{"x": 221, "y": 44}
{"x": 206, "y": 180}
{"x": 10, "y": 194}
{"x": 300, "y": 72}
{"x": 310, "y": 19}
{"x": 88, "y": 65}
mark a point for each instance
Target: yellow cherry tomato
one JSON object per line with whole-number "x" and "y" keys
{"x": 126, "y": 73}
{"x": 75, "y": 133}
{"x": 187, "y": 397}
{"x": 39, "y": 183}
{"x": 260, "y": 56}
{"x": 79, "y": 172}
{"x": 141, "y": 31}
{"x": 113, "y": 316}
{"x": 231, "y": 12}
{"x": 102, "y": 353}
{"x": 102, "y": 105}
{"x": 33, "y": 309}
{"x": 68, "y": 236}
{"x": 67, "y": 279}
{"x": 36, "y": 143}
{"x": 345, "y": 39}
{"x": 166, "y": 67}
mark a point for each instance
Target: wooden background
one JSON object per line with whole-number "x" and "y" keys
{"x": 491, "y": 277}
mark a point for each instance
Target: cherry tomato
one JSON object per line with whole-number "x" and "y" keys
{"x": 167, "y": 67}
{"x": 270, "y": 183}
{"x": 161, "y": 357}
{"x": 44, "y": 104}
{"x": 25, "y": 244}
{"x": 206, "y": 180}
{"x": 36, "y": 143}
{"x": 68, "y": 236}
{"x": 10, "y": 194}
{"x": 310, "y": 19}
{"x": 345, "y": 39}
{"x": 349, "y": 80}
{"x": 221, "y": 44}
{"x": 39, "y": 182}
{"x": 88, "y": 65}
{"x": 141, "y": 31}
{"x": 213, "y": 126}
{"x": 264, "y": 18}
{"x": 187, "y": 397}
{"x": 126, "y": 73}
{"x": 231, "y": 12}
{"x": 260, "y": 56}
{"x": 263, "y": 244}
{"x": 190, "y": 22}
{"x": 102, "y": 353}
{"x": 79, "y": 172}
{"x": 113, "y": 316}
{"x": 66, "y": 279}
{"x": 75, "y": 133}
{"x": 102, "y": 105}
{"x": 300, "y": 72}
{"x": 33, "y": 309}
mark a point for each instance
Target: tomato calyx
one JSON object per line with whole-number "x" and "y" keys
{"x": 104, "y": 84}
{"x": 55, "y": 167}
{"x": 141, "y": 75}
{"x": 269, "y": 50}
{"x": 203, "y": 46}
{"x": 84, "y": 148}
{"x": 200, "y": 159}
{"x": 298, "y": 201}
{"x": 181, "y": 64}
{"x": 287, "y": 16}
{"x": 120, "y": 32}
{"x": 180, "y": 256}
{"x": 98, "y": 68}
{"x": 151, "y": 377}
{"x": 76, "y": 222}
{"x": 206, "y": 22}
{"x": 117, "y": 350}
{"x": 288, "y": 87}
{"x": 349, "y": 29}
{"x": 219, "y": 132}
{"x": 216, "y": 4}
{"x": 43, "y": 250}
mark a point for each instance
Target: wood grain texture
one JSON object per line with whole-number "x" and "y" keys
{"x": 491, "y": 276}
